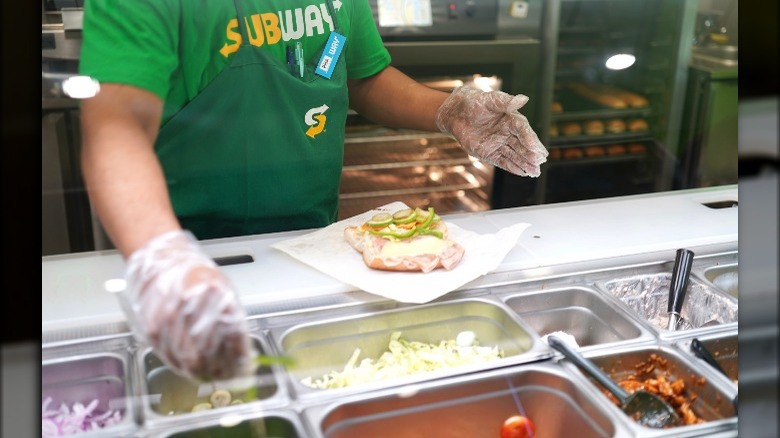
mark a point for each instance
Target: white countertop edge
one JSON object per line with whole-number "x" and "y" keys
{"x": 574, "y": 233}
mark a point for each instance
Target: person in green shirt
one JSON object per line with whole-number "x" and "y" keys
{"x": 226, "y": 118}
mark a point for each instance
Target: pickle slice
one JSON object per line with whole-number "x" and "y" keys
{"x": 404, "y": 216}
{"x": 380, "y": 220}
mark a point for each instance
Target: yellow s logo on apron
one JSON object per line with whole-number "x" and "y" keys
{"x": 315, "y": 118}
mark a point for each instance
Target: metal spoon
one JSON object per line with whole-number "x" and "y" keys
{"x": 645, "y": 408}
{"x": 678, "y": 287}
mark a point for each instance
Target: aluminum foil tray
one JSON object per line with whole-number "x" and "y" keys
{"x": 647, "y": 296}
{"x": 323, "y": 347}
{"x": 473, "y": 406}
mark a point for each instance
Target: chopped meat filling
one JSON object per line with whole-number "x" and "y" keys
{"x": 652, "y": 376}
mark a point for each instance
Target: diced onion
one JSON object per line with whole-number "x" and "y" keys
{"x": 76, "y": 419}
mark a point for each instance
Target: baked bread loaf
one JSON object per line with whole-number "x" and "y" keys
{"x": 553, "y": 130}
{"x": 572, "y": 153}
{"x": 637, "y": 125}
{"x": 616, "y": 126}
{"x": 631, "y": 99}
{"x": 594, "y": 127}
{"x": 594, "y": 151}
{"x": 593, "y": 93}
{"x": 408, "y": 240}
{"x": 636, "y": 148}
{"x": 616, "y": 149}
{"x": 572, "y": 128}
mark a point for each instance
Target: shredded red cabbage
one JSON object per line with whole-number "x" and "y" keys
{"x": 78, "y": 418}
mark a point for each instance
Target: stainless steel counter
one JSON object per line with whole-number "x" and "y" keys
{"x": 559, "y": 277}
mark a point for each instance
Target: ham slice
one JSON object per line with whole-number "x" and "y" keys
{"x": 419, "y": 253}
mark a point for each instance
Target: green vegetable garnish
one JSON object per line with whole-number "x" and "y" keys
{"x": 262, "y": 360}
{"x": 404, "y": 216}
{"x": 380, "y": 220}
{"x": 422, "y": 219}
{"x": 400, "y": 234}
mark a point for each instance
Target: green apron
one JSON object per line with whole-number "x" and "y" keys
{"x": 242, "y": 160}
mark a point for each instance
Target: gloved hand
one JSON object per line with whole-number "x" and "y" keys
{"x": 488, "y": 126}
{"x": 179, "y": 302}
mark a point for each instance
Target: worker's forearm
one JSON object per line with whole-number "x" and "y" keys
{"x": 393, "y": 99}
{"x": 125, "y": 182}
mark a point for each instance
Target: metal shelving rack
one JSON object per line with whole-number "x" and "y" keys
{"x": 586, "y": 31}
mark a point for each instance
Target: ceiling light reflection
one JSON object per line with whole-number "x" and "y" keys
{"x": 620, "y": 61}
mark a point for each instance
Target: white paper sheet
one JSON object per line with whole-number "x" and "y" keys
{"x": 327, "y": 251}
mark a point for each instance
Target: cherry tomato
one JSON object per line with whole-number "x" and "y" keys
{"x": 518, "y": 426}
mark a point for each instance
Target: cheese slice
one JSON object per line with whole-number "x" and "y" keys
{"x": 417, "y": 246}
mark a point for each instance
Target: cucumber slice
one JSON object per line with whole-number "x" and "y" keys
{"x": 404, "y": 216}
{"x": 380, "y": 220}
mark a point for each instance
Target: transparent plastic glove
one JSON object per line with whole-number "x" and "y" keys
{"x": 488, "y": 126}
{"x": 179, "y": 302}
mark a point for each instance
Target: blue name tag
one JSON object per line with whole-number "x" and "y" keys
{"x": 330, "y": 56}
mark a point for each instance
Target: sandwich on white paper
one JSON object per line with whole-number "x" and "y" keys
{"x": 407, "y": 240}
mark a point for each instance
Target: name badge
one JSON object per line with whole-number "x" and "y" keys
{"x": 330, "y": 56}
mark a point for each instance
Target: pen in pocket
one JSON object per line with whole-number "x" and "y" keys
{"x": 290, "y": 60}
{"x": 299, "y": 57}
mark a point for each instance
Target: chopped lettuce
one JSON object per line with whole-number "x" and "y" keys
{"x": 404, "y": 358}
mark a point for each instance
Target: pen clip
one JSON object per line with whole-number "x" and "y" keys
{"x": 291, "y": 60}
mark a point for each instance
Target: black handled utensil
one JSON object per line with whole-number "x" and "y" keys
{"x": 678, "y": 286}
{"x": 645, "y": 408}
{"x": 702, "y": 352}
{"x": 705, "y": 354}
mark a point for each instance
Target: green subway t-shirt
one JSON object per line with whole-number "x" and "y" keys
{"x": 174, "y": 48}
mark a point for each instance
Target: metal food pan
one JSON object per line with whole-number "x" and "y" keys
{"x": 326, "y": 346}
{"x": 578, "y": 311}
{"x": 168, "y": 397}
{"x": 724, "y": 277}
{"x": 725, "y": 350}
{"x": 473, "y": 406}
{"x": 705, "y": 308}
{"x": 85, "y": 378}
{"x": 709, "y": 398}
{"x": 276, "y": 424}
